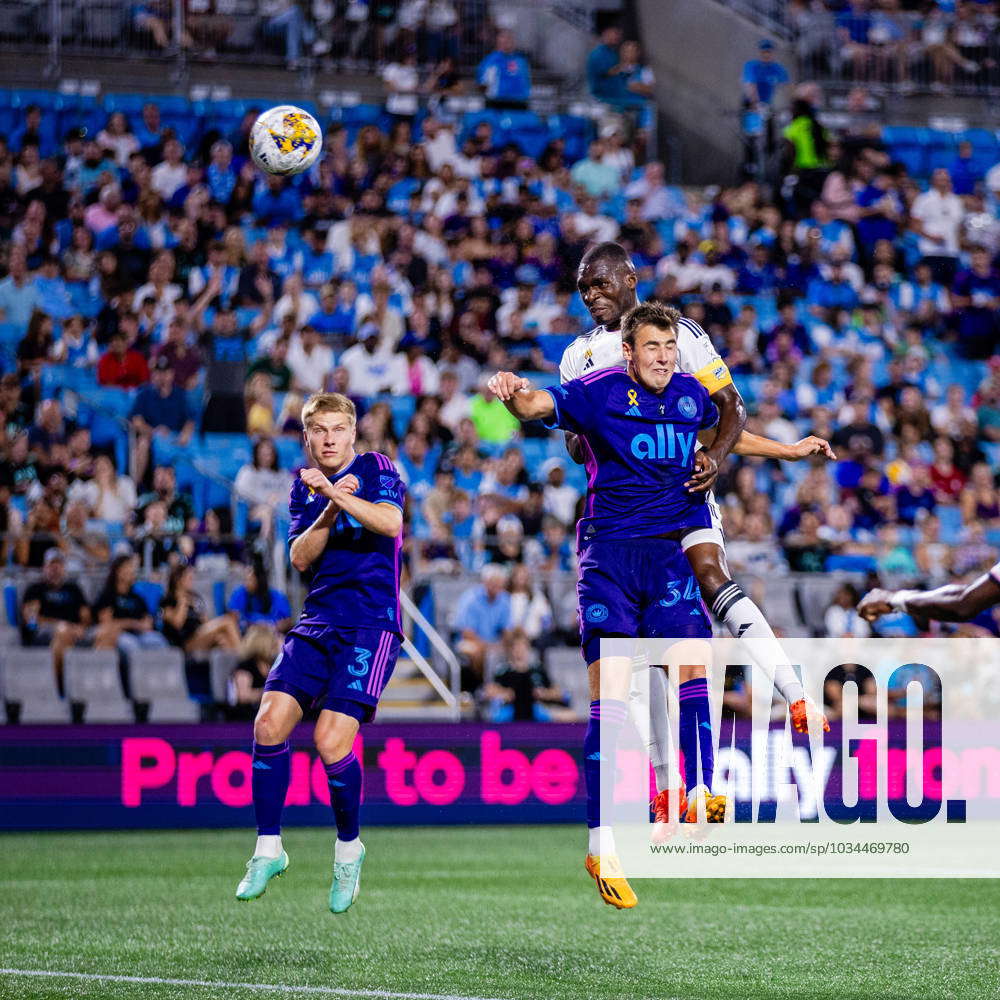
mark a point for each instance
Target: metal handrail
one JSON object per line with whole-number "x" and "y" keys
{"x": 451, "y": 697}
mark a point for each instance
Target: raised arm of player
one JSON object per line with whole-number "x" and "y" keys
{"x": 752, "y": 445}
{"x": 956, "y": 602}
{"x": 517, "y": 395}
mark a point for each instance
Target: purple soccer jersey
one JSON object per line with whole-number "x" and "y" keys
{"x": 355, "y": 580}
{"x": 639, "y": 449}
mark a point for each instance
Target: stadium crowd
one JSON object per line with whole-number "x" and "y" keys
{"x": 419, "y": 256}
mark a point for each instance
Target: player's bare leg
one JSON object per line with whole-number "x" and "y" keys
{"x": 608, "y": 681}
{"x": 334, "y": 738}
{"x": 745, "y": 621}
{"x": 278, "y": 715}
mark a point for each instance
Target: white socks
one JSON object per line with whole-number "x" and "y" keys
{"x": 347, "y": 850}
{"x": 601, "y": 841}
{"x": 744, "y": 620}
{"x": 268, "y": 846}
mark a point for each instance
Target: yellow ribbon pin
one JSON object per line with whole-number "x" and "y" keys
{"x": 633, "y": 399}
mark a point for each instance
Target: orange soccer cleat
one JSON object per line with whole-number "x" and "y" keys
{"x": 713, "y": 806}
{"x": 607, "y": 872}
{"x": 665, "y": 825}
{"x": 806, "y": 715}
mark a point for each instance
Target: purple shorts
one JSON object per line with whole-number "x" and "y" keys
{"x": 340, "y": 669}
{"x": 641, "y": 588}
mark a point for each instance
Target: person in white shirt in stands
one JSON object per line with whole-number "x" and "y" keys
{"x": 455, "y": 405}
{"x": 658, "y": 200}
{"x": 402, "y": 82}
{"x": 558, "y": 498}
{"x": 263, "y": 485}
{"x": 369, "y": 368}
{"x": 171, "y": 173}
{"x": 302, "y": 305}
{"x": 590, "y": 224}
{"x": 309, "y": 360}
{"x": 937, "y": 217}
{"x": 413, "y": 373}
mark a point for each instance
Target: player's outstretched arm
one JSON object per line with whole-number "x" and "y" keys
{"x": 955, "y": 602}
{"x": 517, "y": 395}
{"x": 754, "y": 446}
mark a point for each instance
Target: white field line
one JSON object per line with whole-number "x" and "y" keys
{"x": 328, "y": 991}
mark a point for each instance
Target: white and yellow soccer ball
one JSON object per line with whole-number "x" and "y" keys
{"x": 285, "y": 140}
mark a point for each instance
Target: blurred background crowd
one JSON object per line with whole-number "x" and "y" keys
{"x": 165, "y": 309}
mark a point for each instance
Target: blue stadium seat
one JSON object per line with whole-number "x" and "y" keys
{"x": 151, "y": 592}
{"x": 950, "y": 519}
{"x": 10, "y": 605}
{"x": 290, "y": 454}
{"x": 850, "y": 564}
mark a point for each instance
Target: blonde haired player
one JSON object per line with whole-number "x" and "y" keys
{"x": 346, "y": 531}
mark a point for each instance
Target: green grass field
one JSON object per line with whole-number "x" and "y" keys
{"x": 477, "y": 912}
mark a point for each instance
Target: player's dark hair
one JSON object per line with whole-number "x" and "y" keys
{"x": 648, "y": 314}
{"x": 612, "y": 253}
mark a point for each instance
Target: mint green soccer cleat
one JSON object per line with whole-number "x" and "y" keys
{"x": 346, "y": 883}
{"x": 260, "y": 871}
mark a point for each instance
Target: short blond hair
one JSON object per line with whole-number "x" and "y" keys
{"x": 327, "y": 402}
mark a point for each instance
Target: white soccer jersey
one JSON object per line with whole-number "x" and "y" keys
{"x": 602, "y": 348}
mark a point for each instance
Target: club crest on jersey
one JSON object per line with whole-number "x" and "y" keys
{"x": 633, "y": 409}
{"x": 665, "y": 442}
{"x": 687, "y": 406}
{"x": 596, "y": 613}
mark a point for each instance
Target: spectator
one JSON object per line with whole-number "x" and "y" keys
{"x": 184, "y": 617}
{"x": 482, "y": 617}
{"x": 117, "y": 137}
{"x": 171, "y": 172}
{"x": 976, "y": 297}
{"x": 257, "y": 602}
{"x": 227, "y": 353}
{"x": 178, "y": 511}
{"x": 309, "y": 360}
{"x": 263, "y": 485}
{"x": 521, "y": 690}
{"x": 159, "y": 409}
{"x": 603, "y": 65}
{"x": 597, "y": 177}
{"x": 368, "y": 366}
{"x": 124, "y": 621}
{"x": 54, "y": 611}
{"x": 121, "y": 366}
{"x": 258, "y": 651}
{"x": 284, "y": 19}
{"x": 19, "y": 297}
{"x": 109, "y": 497}
{"x": 530, "y": 611}
{"x": 504, "y": 75}
{"x": 937, "y": 216}
{"x": 274, "y": 365}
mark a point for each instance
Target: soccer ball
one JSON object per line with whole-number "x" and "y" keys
{"x": 285, "y": 140}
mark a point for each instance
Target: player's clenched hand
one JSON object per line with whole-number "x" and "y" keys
{"x": 347, "y": 484}
{"x": 503, "y": 385}
{"x": 706, "y": 471}
{"x": 318, "y": 483}
{"x": 875, "y": 604}
{"x": 813, "y": 446}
